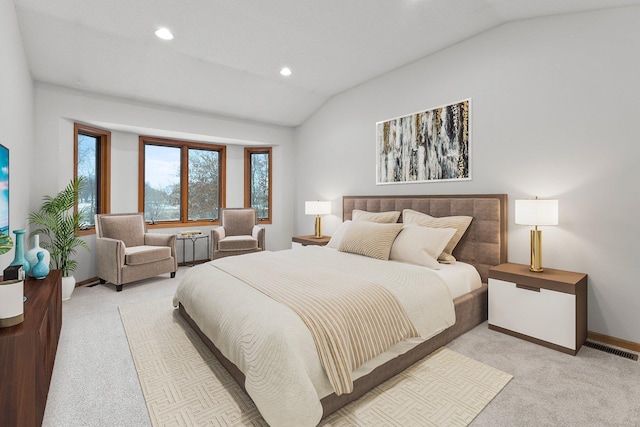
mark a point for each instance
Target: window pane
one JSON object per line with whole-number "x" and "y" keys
{"x": 88, "y": 170}
{"x": 260, "y": 183}
{"x": 204, "y": 184}
{"x": 161, "y": 183}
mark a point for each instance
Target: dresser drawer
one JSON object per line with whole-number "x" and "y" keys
{"x": 539, "y": 313}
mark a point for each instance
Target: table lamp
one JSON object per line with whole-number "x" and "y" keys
{"x": 317, "y": 208}
{"x": 536, "y": 212}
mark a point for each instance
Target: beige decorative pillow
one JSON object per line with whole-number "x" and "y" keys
{"x": 460, "y": 223}
{"x": 337, "y": 235}
{"x": 382, "y": 217}
{"x": 370, "y": 239}
{"x": 421, "y": 245}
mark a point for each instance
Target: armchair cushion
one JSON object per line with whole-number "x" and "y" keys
{"x": 238, "y": 243}
{"x": 128, "y": 228}
{"x": 238, "y": 222}
{"x": 145, "y": 254}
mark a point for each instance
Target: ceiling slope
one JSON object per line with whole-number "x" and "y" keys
{"x": 226, "y": 55}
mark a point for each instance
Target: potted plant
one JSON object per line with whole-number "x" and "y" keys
{"x": 58, "y": 222}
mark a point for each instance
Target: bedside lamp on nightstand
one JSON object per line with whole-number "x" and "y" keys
{"x": 536, "y": 212}
{"x": 317, "y": 208}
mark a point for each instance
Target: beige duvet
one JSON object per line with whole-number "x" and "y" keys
{"x": 271, "y": 345}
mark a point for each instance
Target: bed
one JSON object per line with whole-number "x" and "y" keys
{"x": 482, "y": 246}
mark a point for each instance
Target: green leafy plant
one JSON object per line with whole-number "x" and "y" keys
{"x": 57, "y": 221}
{"x": 6, "y": 243}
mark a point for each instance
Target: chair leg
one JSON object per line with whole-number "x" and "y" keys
{"x": 173, "y": 274}
{"x": 118, "y": 288}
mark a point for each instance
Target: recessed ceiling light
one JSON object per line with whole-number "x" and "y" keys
{"x": 164, "y": 33}
{"x": 285, "y": 71}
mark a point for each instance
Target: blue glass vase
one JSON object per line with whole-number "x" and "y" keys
{"x": 32, "y": 254}
{"x": 41, "y": 269}
{"x": 19, "y": 257}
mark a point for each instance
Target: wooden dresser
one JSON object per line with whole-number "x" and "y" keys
{"x": 28, "y": 351}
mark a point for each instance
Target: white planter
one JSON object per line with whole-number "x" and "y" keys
{"x": 68, "y": 285}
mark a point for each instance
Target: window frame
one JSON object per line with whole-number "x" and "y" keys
{"x": 248, "y": 151}
{"x": 184, "y": 178}
{"x": 103, "y": 175}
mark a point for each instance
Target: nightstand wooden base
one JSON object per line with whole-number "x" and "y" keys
{"x": 534, "y": 340}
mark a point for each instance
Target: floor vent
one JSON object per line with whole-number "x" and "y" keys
{"x": 611, "y": 350}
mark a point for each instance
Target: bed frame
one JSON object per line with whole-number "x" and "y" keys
{"x": 484, "y": 245}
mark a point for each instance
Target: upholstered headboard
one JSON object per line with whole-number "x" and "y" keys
{"x": 484, "y": 245}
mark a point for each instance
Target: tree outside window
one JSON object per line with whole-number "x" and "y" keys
{"x": 87, "y": 169}
{"x": 183, "y": 182}
{"x": 92, "y": 162}
{"x": 161, "y": 183}
{"x": 257, "y": 191}
{"x": 204, "y": 181}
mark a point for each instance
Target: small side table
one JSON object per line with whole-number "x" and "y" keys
{"x": 310, "y": 240}
{"x": 193, "y": 237}
{"x": 548, "y": 308}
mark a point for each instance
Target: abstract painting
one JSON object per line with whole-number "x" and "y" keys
{"x": 4, "y": 190}
{"x": 429, "y": 146}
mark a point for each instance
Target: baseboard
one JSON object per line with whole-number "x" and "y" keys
{"x": 87, "y": 282}
{"x": 618, "y": 342}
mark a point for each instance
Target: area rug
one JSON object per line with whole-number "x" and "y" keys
{"x": 185, "y": 385}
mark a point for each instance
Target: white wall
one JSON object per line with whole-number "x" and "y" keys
{"x": 555, "y": 104}
{"x": 16, "y": 120}
{"x": 58, "y": 108}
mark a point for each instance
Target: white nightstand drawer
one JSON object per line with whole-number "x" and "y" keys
{"x": 544, "y": 314}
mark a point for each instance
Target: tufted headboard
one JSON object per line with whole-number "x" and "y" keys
{"x": 484, "y": 244}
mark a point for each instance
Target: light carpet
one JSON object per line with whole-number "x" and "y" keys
{"x": 184, "y": 384}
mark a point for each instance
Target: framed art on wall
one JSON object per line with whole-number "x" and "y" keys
{"x": 4, "y": 190}
{"x": 428, "y": 146}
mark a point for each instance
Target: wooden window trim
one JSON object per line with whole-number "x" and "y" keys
{"x": 184, "y": 145}
{"x": 247, "y": 179}
{"x": 104, "y": 174}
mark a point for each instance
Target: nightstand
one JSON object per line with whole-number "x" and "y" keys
{"x": 548, "y": 308}
{"x": 298, "y": 241}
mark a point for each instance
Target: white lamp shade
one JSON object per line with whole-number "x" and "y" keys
{"x": 317, "y": 208}
{"x": 537, "y": 212}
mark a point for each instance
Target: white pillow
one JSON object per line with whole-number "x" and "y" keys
{"x": 421, "y": 245}
{"x": 337, "y": 236}
{"x": 383, "y": 217}
{"x": 460, "y": 223}
{"x": 370, "y": 239}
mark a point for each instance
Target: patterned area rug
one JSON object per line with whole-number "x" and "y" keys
{"x": 184, "y": 384}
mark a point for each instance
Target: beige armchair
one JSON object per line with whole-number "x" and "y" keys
{"x": 126, "y": 252}
{"x": 238, "y": 233}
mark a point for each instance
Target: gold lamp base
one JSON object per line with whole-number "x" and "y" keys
{"x": 536, "y": 251}
{"x": 318, "y": 228}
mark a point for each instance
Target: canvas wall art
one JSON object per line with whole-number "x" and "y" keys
{"x": 4, "y": 190}
{"x": 429, "y": 146}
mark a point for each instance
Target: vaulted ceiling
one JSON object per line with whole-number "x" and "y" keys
{"x": 226, "y": 55}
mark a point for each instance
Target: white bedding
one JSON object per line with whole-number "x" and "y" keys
{"x": 461, "y": 278}
{"x": 273, "y": 348}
